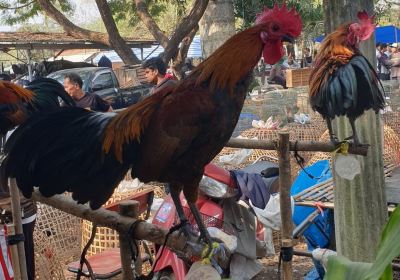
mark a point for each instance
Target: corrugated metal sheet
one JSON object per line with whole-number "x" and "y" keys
{"x": 155, "y": 50}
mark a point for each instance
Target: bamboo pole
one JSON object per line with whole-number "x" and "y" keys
{"x": 122, "y": 224}
{"x": 309, "y": 146}
{"x": 285, "y": 204}
{"x": 17, "y": 221}
{"x": 128, "y": 209}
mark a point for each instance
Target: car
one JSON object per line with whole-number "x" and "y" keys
{"x": 103, "y": 82}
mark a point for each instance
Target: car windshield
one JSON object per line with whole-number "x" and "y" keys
{"x": 59, "y": 76}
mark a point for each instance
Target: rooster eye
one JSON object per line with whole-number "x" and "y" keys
{"x": 275, "y": 27}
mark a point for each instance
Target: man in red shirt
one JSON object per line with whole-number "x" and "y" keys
{"x": 155, "y": 70}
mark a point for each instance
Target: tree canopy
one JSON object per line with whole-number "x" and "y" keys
{"x": 181, "y": 28}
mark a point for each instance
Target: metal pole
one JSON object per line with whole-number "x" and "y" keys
{"x": 17, "y": 221}
{"x": 28, "y": 55}
{"x": 285, "y": 183}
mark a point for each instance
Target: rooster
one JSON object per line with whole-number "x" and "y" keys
{"x": 343, "y": 82}
{"x": 168, "y": 137}
{"x": 17, "y": 104}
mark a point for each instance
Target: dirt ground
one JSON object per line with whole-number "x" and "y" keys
{"x": 301, "y": 266}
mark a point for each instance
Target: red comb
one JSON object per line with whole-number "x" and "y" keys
{"x": 364, "y": 17}
{"x": 288, "y": 18}
{"x": 366, "y": 24}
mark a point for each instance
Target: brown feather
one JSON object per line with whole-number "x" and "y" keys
{"x": 12, "y": 93}
{"x": 128, "y": 125}
{"x": 334, "y": 52}
{"x": 231, "y": 62}
{"x": 224, "y": 68}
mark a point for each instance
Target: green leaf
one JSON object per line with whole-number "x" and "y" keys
{"x": 388, "y": 249}
{"x": 340, "y": 268}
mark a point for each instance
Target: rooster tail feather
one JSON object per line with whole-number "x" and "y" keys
{"x": 24, "y": 94}
{"x": 46, "y": 152}
{"x": 129, "y": 125}
{"x": 47, "y": 93}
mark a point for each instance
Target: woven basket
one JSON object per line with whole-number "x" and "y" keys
{"x": 391, "y": 146}
{"x": 392, "y": 119}
{"x": 57, "y": 241}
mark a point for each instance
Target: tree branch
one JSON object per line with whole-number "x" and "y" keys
{"x": 397, "y": 3}
{"x": 18, "y": 7}
{"x": 188, "y": 23}
{"x": 71, "y": 28}
{"x": 115, "y": 39}
{"x": 145, "y": 17}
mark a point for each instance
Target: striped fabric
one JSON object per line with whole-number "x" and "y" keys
{"x": 6, "y": 271}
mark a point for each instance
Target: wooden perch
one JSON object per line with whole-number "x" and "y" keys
{"x": 122, "y": 224}
{"x": 309, "y": 146}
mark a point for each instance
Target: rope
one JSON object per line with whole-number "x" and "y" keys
{"x": 300, "y": 161}
{"x": 171, "y": 230}
{"x": 83, "y": 257}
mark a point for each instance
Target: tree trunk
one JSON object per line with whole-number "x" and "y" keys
{"x": 114, "y": 40}
{"x": 216, "y": 25}
{"x": 182, "y": 33}
{"x": 360, "y": 204}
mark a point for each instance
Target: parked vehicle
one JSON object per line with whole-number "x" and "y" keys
{"x": 219, "y": 192}
{"x": 103, "y": 82}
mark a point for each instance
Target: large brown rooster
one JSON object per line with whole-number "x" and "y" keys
{"x": 342, "y": 81}
{"x": 168, "y": 137}
{"x": 17, "y": 104}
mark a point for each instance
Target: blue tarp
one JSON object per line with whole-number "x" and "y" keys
{"x": 315, "y": 238}
{"x": 383, "y": 34}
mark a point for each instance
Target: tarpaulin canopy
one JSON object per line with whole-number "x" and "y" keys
{"x": 383, "y": 34}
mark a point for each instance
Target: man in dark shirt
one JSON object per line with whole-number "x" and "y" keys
{"x": 155, "y": 70}
{"x": 73, "y": 85}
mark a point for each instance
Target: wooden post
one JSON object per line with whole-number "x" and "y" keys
{"x": 17, "y": 221}
{"x": 128, "y": 209}
{"x": 360, "y": 204}
{"x": 285, "y": 183}
{"x": 14, "y": 254}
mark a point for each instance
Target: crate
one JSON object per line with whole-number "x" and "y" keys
{"x": 297, "y": 77}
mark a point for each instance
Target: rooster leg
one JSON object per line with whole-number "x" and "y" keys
{"x": 355, "y": 136}
{"x": 204, "y": 235}
{"x": 184, "y": 224}
{"x": 332, "y": 135}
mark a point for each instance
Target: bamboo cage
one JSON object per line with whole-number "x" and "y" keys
{"x": 57, "y": 241}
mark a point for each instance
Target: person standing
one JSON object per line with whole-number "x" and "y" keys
{"x": 91, "y": 101}
{"x": 395, "y": 71}
{"x": 155, "y": 71}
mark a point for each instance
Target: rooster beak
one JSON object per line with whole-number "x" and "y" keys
{"x": 287, "y": 38}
